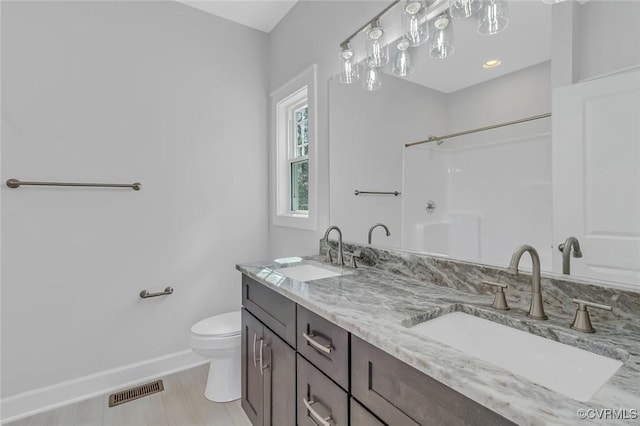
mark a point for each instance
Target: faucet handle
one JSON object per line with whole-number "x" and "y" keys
{"x": 582, "y": 321}
{"x": 500, "y": 300}
{"x": 352, "y": 261}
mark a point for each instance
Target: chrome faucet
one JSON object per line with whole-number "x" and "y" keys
{"x": 536, "y": 310}
{"x": 565, "y": 248}
{"x": 375, "y": 226}
{"x": 326, "y": 239}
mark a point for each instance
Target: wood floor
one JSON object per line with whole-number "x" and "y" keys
{"x": 182, "y": 403}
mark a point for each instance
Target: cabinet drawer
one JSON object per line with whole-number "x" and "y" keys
{"x": 324, "y": 344}
{"x": 401, "y": 395}
{"x": 361, "y": 417}
{"x": 274, "y": 310}
{"x": 320, "y": 401}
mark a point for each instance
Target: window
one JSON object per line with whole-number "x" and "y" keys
{"x": 293, "y": 152}
{"x": 299, "y": 162}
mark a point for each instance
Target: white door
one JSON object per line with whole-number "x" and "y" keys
{"x": 596, "y": 176}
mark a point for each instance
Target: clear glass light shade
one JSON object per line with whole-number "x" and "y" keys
{"x": 414, "y": 22}
{"x": 494, "y": 17}
{"x": 348, "y": 68}
{"x": 377, "y": 50}
{"x": 402, "y": 61}
{"x": 464, "y": 8}
{"x": 372, "y": 78}
{"x": 442, "y": 41}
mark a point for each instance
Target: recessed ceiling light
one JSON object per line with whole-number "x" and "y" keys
{"x": 492, "y": 63}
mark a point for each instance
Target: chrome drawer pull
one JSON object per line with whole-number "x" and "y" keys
{"x": 324, "y": 348}
{"x": 262, "y": 367}
{"x": 255, "y": 336}
{"x": 324, "y": 421}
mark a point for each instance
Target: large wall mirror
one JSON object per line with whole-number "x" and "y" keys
{"x": 480, "y": 196}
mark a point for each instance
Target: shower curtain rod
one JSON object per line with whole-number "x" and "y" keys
{"x": 479, "y": 129}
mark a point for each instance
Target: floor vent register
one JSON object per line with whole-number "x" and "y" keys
{"x": 131, "y": 394}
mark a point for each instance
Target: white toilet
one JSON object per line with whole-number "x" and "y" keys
{"x": 218, "y": 338}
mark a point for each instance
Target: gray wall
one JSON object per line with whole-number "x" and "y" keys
{"x": 609, "y": 37}
{"x": 311, "y": 33}
{"x": 155, "y": 92}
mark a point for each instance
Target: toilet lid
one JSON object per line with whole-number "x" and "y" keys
{"x": 228, "y": 324}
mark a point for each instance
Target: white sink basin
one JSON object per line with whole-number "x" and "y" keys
{"x": 573, "y": 372}
{"x": 307, "y": 272}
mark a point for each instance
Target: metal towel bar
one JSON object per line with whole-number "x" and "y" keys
{"x": 145, "y": 294}
{"x": 358, "y": 192}
{"x": 15, "y": 183}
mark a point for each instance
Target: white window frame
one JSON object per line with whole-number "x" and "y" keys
{"x": 284, "y": 101}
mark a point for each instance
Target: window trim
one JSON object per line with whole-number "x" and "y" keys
{"x": 281, "y": 160}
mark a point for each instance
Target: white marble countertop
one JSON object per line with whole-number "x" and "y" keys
{"x": 378, "y": 307}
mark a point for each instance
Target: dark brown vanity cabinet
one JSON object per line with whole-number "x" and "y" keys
{"x": 268, "y": 379}
{"x": 268, "y": 356}
{"x": 334, "y": 378}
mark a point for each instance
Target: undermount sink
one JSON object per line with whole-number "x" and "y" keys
{"x": 308, "y": 272}
{"x": 571, "y": 371}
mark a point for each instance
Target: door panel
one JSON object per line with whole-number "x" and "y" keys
{"x": 596, "y": 176}
{"x": 279, "y": 366}
{"x": 252, "y": 381}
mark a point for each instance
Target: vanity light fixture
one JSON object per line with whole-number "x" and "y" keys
{"x": 414, "y": 22}
{"x": 371, "y": 79}
{"x": 442, "y": 38}
{"x": 492, "y": 18}
{"x": 377, "y": 50}
{"x": 464, "y": 8}
{"x": 402, "y": 60}
{"x": 348, "y": 68}
{"x": 492, "y": 63}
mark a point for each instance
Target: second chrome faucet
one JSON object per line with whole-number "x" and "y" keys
{"x": 340, "y": 250}
{"x": 536, "y": 309}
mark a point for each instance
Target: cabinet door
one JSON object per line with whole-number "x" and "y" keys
{"x": 401, "y": 395}
{"x": 320, "y": 401}
{"x": 324, "y": 344}
{"x": 361, "y": 417}
{"x": 279, "y": 370}
{"x": 252, "y": 380}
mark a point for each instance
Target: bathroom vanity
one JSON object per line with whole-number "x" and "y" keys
{"x": 343, "y": 349}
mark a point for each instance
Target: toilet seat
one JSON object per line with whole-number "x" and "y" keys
{"x": 219, "y": 326}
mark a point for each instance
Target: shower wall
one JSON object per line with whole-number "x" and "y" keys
{"x": 492, "y": 189}
{"x": 123, "y": 92}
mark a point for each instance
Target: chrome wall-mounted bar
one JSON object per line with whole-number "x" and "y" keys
{"x": 433, "y": 10}
{"x": 358, "y": 192}
{"x": 15, "y": 183}
{"x": 369, "y": 22}
{"x": 479, "y": 129}
{"x": 145, "y": 293}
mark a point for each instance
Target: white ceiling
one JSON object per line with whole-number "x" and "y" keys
{"x": 525, "y": 42}
{"x": 262, "y": 15}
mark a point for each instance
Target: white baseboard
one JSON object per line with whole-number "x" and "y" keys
{"x": 47, "y": 398}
